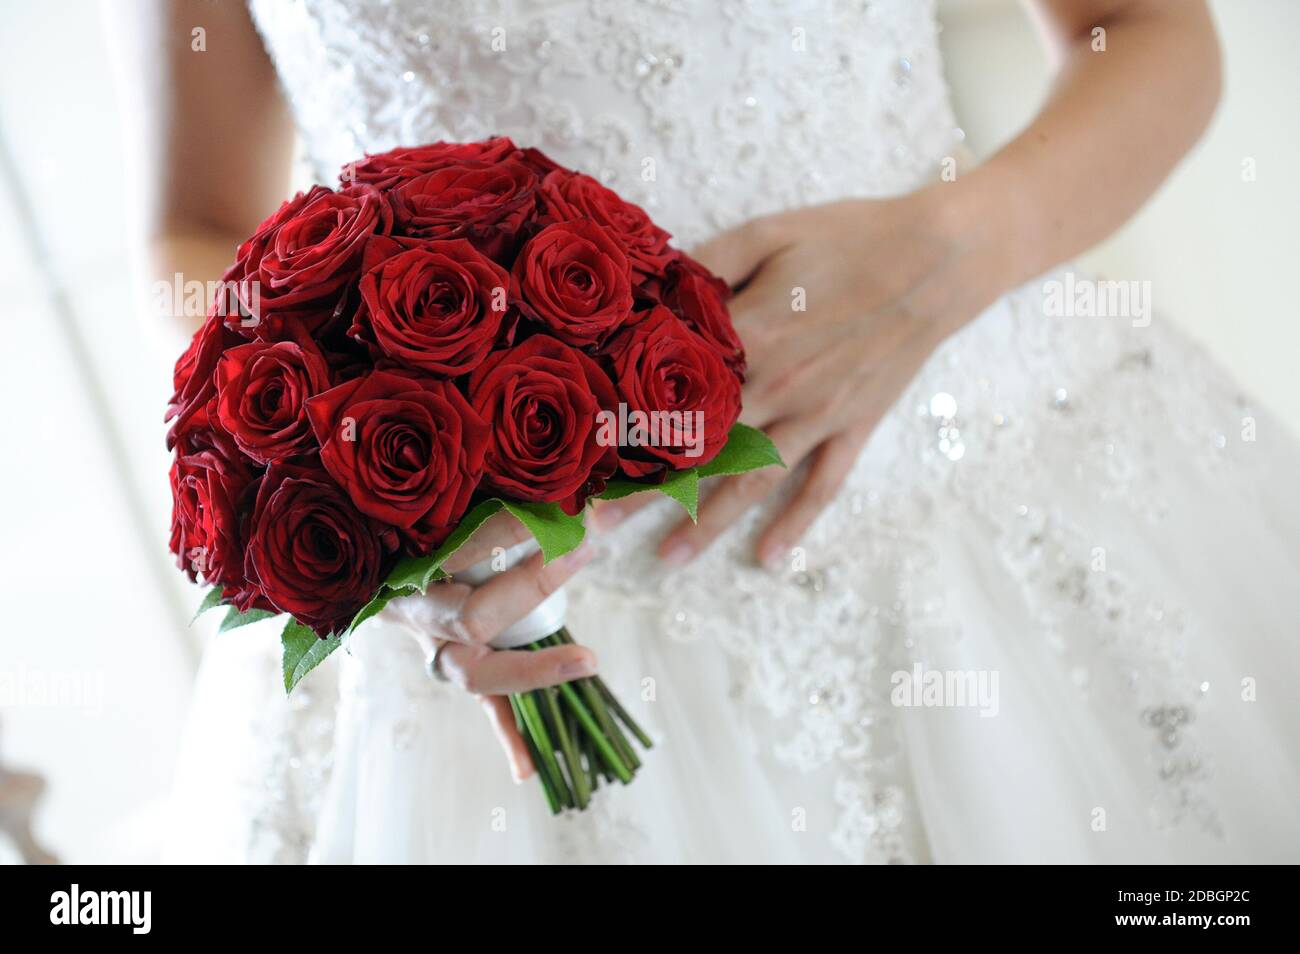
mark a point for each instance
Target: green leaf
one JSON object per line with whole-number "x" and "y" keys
{"x": 684, "y": 487}
{"x": 303, "y": 651}
{"x": 376, "y": 605}
{"x": 556, "y": 532}
{"x": 747, "y": 449}
{"x": 235, "y": 619}
{"x": 210, "y": 600}
{"x": 418, "y": 572}
{"x": 622, "y": 487}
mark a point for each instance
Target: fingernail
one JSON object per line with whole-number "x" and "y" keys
{"x": 575, "y": 559}
{"x": 773, "y": 555}
{"x": 679, "y": 554}
{"x": 578, "y": 668}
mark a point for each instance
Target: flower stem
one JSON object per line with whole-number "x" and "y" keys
{"x": 580, "y": 716}
{"x": 552, "y": 798}
{"x": 565, "y": 637}
{"x": 589, "y": 753}
{"x": 597, "y": 706}
{"x": 622, "y": 713}
{"x": 593, "y": 730}
{"x": 537, "y": 729}
{"x": 577, "y": 777}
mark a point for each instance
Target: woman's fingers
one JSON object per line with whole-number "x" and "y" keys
{"x": 491, "y": 672}
{"x": 737, "y": 253}
{"x": 734, "y": 496}
{"x": 610, "y": 513}
{"x": 512, "y": 594}
{"x": 501, "y": 530}
{"x": 502, "y": 718}
{"x": 457, "y": 613}
{"x": 466, "y": 619}
{"x": 431, "y": 616}
{"x": 831, "y": 464}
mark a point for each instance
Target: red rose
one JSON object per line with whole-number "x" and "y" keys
{"x": 209, "y": 482}
{"x": 699, "y": 298}
{"x": 689, "y": 398}
{"x": 539, "y": 161}
{"x": 408, "y": 450}
{"x": 261, "y": 391}
{"x": 387, "y": 169}
{"x": 571, "y": 196}
{"x": 575, "y": 280}
{"x": 193, "y": 377}
{"x": 358, "y": 382}
{"x": 438, "y": 307}
{"x": 298, "y": 264}
{"x": 541, "y": 400}
{"x": 485, "y": 202}
{"x": 311, "y": 553}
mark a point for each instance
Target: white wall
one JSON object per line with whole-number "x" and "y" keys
{"x": 88, "y": 600}
{"x": 1219, "y": 251}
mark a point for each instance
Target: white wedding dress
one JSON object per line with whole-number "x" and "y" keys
{"x": 1090, "y": 512}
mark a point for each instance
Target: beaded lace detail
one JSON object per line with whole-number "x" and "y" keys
{"x": 866, "y": 594}
{"x": 711, "y": 112}
{"x": 704, "y": 112}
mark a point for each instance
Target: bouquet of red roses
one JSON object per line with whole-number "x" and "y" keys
{"x": 458, "y": 329}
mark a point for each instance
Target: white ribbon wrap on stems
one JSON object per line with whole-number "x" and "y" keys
{"x": 546, "y": 618}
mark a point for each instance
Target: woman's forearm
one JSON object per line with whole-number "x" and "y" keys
{"x": 1116, "y": 123}
{"x": 212, "y": 142}
{"x": 178, "y": 265}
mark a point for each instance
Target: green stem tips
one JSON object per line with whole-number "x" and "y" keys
{"x": 575, "y": 735}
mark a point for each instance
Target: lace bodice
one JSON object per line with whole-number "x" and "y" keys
{"x": 708, "y": 112}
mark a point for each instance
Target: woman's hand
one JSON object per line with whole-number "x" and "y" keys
{"x": 840, "y": 305}
{"x": 885, "y": 281}
{"x": 466, "y": 619}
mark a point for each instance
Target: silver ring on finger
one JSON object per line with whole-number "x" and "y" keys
{"x": 432, "y": 664}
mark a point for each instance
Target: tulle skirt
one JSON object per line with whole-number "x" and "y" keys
{"x": 1047, "y": 620}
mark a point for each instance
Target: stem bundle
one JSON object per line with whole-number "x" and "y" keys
{"x": 574, "y": 734}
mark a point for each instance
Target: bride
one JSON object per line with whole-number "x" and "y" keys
{"x": 1019, "y": 597}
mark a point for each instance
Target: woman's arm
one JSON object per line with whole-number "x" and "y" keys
{"x": 1136, "y": 84}
{"x": 886, "y": 281}
{"x": 213, "y": 140}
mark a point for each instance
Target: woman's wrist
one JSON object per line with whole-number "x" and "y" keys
{"x": 972, "y": 220}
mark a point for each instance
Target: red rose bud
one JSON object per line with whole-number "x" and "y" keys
{"x": 385, "y": 170}
{"x": 210, "y": 484}
{"x": 570, "y": 197}
{"x": 539, "y": 161}
{"x": 542, "y": 400}
{"x": 408, "y": 450}
{"x": 438, "y": 307}
{"x": 291, "y": 275}
{"x": 576, "y": 281}
{"x": 485, "y": 202}
{"x": 677, "y": 390}
{"x": 699, "y": 298}
{"x": 311, "y": 553}
{"x": 195, "y": 393}
{"x": 262, "y": 389}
